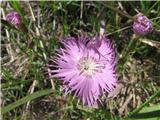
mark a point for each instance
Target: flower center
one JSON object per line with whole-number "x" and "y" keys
{"x": 89, "y": 66}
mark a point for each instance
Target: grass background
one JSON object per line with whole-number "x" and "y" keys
{"x": 27, "y": 93}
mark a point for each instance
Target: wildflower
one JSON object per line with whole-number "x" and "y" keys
{"x": 14, "y": 18}
{"x": 142, "y": 25}
{"x": 87, "y": 71}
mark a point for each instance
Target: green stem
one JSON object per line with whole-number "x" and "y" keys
{"x": 127, "y": 53}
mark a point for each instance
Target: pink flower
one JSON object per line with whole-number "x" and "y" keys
{"x": 142, "y": 25}
{"x": 14, "y": 18}
{"x": 87, "y": 69}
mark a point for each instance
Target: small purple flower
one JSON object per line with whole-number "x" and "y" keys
{"x": 142, "y": 25}
{"x": 14, "y": 18}
{"x": 85, "y": 70}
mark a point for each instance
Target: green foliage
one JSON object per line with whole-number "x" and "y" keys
{"x": 146, "y": 112}
{"x": 25, "y": 99}
{"x": 25, "y": 57}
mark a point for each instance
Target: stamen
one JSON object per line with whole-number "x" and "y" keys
{"x": 89, "y": 66}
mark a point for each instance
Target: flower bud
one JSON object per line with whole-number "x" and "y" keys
{"x": 142, "y": 25}
{"x": 14, "y": 18}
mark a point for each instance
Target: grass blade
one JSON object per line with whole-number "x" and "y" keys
{"x": 152, "y": 112}
{"x": 135, "y": 111}
{"x": 25, "y": 99}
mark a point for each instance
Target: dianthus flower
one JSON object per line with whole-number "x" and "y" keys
{"x": 87, "y": 69}
{"x": 142, "y": 25}
{"x": 14, "y": 18}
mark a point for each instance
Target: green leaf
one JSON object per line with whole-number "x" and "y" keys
{"x": 148, "y": 113}
{"x": 144, "y": 112}
{"x": 151, "y": 108}
{"x": 25, "y": 99}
